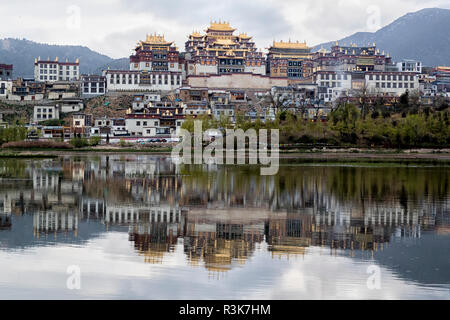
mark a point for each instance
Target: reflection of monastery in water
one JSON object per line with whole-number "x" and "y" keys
{"x": 220, "y": 216}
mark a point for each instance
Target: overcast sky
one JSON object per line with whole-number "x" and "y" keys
{"x": 113, "y": 27}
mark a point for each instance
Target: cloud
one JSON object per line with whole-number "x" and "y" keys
{"x": 113, "y": 27}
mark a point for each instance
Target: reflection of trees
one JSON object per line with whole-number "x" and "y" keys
{"x": 304, "y": 185}
{"x": 12, "y": 168}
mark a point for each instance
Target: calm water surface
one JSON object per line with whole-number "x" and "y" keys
{"x": 144, "y": 227}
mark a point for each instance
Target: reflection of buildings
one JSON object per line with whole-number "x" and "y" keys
{"x": 5, "y": 221}
{"x": 220, "y": 215}
{"x": 290, "y": 234}
{"x": 218, "y": 241}
{"x": 54, "y": 222}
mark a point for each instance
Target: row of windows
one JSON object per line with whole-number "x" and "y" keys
{"x": 294, "y": 75}
{"x": 390, "y": 78}
{"x": 294, "y": 63}
{"x": 333, "y": 84}
{"x": 153, "y": 79}
{"x": 54, "y": 66}
{"x": 156, "y": 63}
{"x": 54, "y": 72}
{"x": 144, "y": 123}
{"x": 333, "y": 77}
{"x": 94, "y": 90}
{"x": 231, "y": 62}
{"x": 394, "y": 85}
{"x": 44, "y": 110}
{"x": 159, "y": 56}
{"x": 44, "y": 78}
{"x": 229, "y": 70}
{"x": 44, "y": 116}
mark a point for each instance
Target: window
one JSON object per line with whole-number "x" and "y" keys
{"x": 138, "y": 123}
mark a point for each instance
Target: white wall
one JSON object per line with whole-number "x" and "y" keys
{"x": 394, "y": 86}
{"x": 119, "y": 84}
{"x": 137, "y": 126}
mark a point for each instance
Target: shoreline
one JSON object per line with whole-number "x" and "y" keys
{"x": 323, "y": 156}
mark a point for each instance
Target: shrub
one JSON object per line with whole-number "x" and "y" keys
{"x": 79, "y": 142}
{"x": 94, "y": 141}
{"x": 45, "y": 144}
{"x": 14, "y": 133}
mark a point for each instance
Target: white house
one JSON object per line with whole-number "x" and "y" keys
{"x": 124, "y": 80}
{"x": 42, "y": 113}
{"x": 392, "y": 83}
{"x": 5, "y": 89}
{"x": 407, "y": 65}
{"x": 51, "y": 71}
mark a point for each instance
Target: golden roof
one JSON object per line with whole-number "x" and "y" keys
{"x": 220, "y": 26}
{"x": 290, "y": 45}
{"x": 224, "y": 42}
{"x": 244, "y": 36}
{"x": 155, "y": 39}
{"x": 196, "y": 34}
{"x": 322, "y": 50}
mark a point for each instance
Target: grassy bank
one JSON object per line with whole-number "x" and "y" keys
{"x": 27, "y": 156}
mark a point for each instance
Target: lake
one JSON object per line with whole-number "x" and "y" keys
{"x": 144, "y": 227}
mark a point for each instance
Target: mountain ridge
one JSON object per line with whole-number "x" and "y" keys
{"x": 420, "y": 35}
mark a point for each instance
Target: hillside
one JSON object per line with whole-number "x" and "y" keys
{"x": 423, "y": 35}
{"x": 21, "y": 53}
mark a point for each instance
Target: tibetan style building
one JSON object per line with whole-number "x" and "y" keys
{"x": 289, "y": 59}
{"x": 219, "y": 51}
{"x": 155, "y": 54}
{"x": 156, "y": 65}
{"x": 352, "y": 58}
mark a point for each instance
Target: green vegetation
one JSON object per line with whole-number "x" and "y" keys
{"x": 25, "y": 156}
{"x": 79, "y": 142}
{"x": 405, "y": 125}
{"x": 37, "y": 144}
{"x": 11, "y": 134}
{"x": 94, "y": 141}
{"x": 52, "y": 122}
